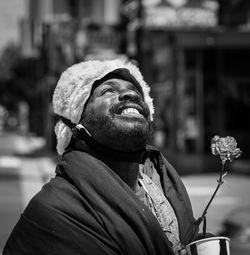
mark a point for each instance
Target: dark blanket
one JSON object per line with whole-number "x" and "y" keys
{"x": 88, "y": 209}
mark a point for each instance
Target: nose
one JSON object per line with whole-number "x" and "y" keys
{"x": 129, "y": 95}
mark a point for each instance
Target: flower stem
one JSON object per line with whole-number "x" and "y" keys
{"x": 220, "y": 182}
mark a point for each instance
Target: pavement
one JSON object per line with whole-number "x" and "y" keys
{"x": 231, "y": 204}
{"x": 22, "y": 175}
{"x": 233, "y": 194}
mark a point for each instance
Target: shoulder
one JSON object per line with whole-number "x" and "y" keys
{"x": 56, "y": 196}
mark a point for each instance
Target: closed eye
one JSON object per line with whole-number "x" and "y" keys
{"x": 107, "y": 90}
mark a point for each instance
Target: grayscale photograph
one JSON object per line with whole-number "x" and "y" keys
{"x": 124, "y": 127}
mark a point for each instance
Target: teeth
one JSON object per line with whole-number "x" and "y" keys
{"x": 129, "y": 110}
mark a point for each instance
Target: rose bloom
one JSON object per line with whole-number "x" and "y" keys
{"x": 225, "y": 147}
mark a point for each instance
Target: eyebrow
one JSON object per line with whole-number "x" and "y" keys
{"x": 117, "y": 84}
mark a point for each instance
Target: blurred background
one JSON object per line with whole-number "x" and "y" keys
{"x": 195, "y": 54}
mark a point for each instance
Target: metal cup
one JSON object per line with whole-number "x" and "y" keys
{"x": 218, "y": 245}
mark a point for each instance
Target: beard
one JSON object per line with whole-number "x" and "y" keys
{"x": 116, "y": 133}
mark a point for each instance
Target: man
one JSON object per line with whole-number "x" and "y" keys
{"x": 112, "y": 194}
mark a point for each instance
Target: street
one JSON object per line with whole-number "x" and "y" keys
{"x": 233, "y": 194}
{"x": 21, "y": 177}
{"x": 231, "y": 205}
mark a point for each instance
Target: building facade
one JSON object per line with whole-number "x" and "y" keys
{"x": 194, "y": 54}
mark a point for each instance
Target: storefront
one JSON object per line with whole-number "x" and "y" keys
{"x": 200, "y": 81}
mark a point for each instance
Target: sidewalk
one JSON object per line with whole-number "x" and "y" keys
{"x": 23, "y": 172}
{"x": 18, "y": 143}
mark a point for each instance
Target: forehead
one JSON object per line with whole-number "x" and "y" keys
{"x": 117, "y": 83}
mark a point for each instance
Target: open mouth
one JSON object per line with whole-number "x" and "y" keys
{"x": 130, "y": 111}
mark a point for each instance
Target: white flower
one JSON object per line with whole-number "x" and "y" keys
{"x": 225, "y": 147}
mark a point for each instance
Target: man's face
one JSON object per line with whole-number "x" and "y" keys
{"x": 117, "y": 116}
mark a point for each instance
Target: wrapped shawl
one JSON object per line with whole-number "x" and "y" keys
{"x": 88, "y": 209}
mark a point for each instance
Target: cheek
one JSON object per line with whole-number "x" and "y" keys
{"x": 103, "y": 105}
{"x": 102, "y": 109}
{"x": 97, "y": 108}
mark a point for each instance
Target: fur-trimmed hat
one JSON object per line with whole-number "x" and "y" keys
{"x": 74, "y": 87}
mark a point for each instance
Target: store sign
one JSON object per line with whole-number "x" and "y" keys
{"x": 184, "y": 14}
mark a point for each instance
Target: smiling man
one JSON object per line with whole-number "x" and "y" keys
{"x": 112, "y": 193}
{"x": 117, "y": 109}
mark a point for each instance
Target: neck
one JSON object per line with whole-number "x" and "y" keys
{"x": 128, "y": 171}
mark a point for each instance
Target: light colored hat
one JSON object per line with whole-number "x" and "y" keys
{"x": 74, "y": 88}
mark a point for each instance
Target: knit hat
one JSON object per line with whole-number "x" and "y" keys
{"x": 74, "y": 87}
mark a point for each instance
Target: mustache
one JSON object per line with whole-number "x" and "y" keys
{"x": 141, "y": 106}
